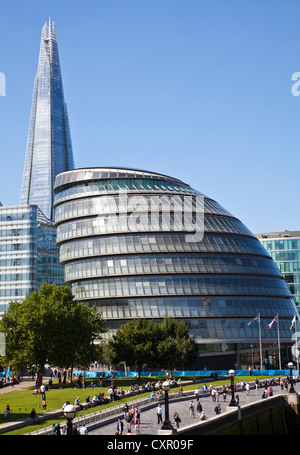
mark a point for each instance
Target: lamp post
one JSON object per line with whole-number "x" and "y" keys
{"x": 232, "y": 375}
{"x": 167, "y": 424}
{"x": 69, "y": 413}
{"x": 291, "y": 366}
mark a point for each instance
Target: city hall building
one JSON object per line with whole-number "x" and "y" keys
{"x": 141, "y": 244}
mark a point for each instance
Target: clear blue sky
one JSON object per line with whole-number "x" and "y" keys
{"x": 200, "y": 90}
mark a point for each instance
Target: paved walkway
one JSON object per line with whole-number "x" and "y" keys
{"x": 149, "y": 426}
{"x": 26, "y": 383}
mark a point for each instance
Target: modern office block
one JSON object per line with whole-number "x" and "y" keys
{"x": 135, "y": 244}
{"x": 28, "y": 253}
{"x": 49, "y": 149}
{"x": 284, "y": 248}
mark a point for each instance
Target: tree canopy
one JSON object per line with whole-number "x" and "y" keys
{"x": 165, "y": 344}
{"x": 51, "y": 326}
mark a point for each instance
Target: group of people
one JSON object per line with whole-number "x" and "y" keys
{"x": 132, "y": 420}
{"x": 58, "y": 430}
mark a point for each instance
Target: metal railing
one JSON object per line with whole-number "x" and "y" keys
{"x": 113, "y": 411}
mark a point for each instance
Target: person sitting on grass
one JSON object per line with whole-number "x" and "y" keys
{"x": 33, "y": 415}
{"x": 7, "y": 411}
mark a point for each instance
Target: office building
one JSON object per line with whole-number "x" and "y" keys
{"x": 49, "y": 149}
{"x": 28, "y": 253}
{"x": 136, "y": 244}
{"x": 284, "y": 248}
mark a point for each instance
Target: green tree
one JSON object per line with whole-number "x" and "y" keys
{"x": 135, "y": 343}
{"x": 175, "y": 348}
{"x": 50, "y": 326}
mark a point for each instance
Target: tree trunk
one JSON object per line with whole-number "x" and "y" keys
{"x": 40, "y": 377}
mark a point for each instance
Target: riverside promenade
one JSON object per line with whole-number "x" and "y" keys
{"x": 148, "y": 421}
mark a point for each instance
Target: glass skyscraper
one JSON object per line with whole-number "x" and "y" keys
{"x": 28, "y": 253}
{"x": 49, "y": 148}
{"x": 284, "y": 248}
{"x": 127, "y": 243}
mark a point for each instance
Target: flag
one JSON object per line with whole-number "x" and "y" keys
{"x": 293, "y": 322}
{"x": 256, "y": 319}
{"x": 274, "y": 320}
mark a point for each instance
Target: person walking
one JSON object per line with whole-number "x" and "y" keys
{"x": 136, "y": 422}
{"x": 120, "y": 427}
{"x": 83, "y": 430}
{"x": 128, "y": 420}
{"x": 44, "y": 404}
{"x": 177, "y": 419}
{"x": 199, "y": 408}
{"x": 248, "y": 388}
{"x": 159, "y": 414}
{"x": 192, "y": 409}
{"x": 43, "y": 391}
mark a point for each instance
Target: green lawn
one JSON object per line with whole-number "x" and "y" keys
{"x": 21, "y": 402}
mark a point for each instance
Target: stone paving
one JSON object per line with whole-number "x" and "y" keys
{"x": 149, "y": 425}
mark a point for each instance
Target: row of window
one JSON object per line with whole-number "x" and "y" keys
{"x": 13, "y": 292}
{"x": 170, "y": 264}
{"x": 178, "y": 285}
{"x": 7, "y": 246}
{"x": 279, "y": 256}
{"x": 17, "y": 215}
{"x": 16, "y": 262}
{"x": 194, "y": 307}
{"x": 145, "y": 223}
{"x": 136, "y": 203}
{"x": 224, "y": 329}
{"x": 158, "y": 243}
{"x": 17, "y": 232}
{"x": 112, "y": 185}
{"x": 282, "y": 244}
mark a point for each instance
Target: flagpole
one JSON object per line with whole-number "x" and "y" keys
{"x": 259, "y": 332}
{"x": 279, "y": 356}
{"x": 296, "y": 337}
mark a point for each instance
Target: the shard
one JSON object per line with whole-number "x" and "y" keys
{"x": 49, "y": 149}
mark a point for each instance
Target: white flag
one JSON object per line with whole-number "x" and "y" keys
{"x": 293, "y": 322}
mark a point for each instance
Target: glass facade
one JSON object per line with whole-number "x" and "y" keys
{"x": 284, "y": 248}
{"x": 29, "y": 255}
{"x": 49, "y": 148}
{"x": 128, "y": 243}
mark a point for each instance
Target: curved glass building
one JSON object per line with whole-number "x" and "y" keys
{"x": 142, "y": 244}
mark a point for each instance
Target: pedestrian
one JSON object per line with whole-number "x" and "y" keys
{"x": 204, "y": 389}
{"x": 159, "y": 414}
{"x": 270, "y": 391}
{"x": 33, "y": 415}
{"x": 136, "y": 422}
{"x": 57, "y": 429}
{"x": 43, "y": 391}
{"x": 120, "y": 427}
{"x": 192, "y": 409}
{"x": 248, "y": 388}
{"x": 213, "y": 394}
{"x": 125, "y": 409}
{"x": 199, "y": 409}
{"x": 83, "y": 430}
{"x": 218, "y": 409}
{"x": 177, "y": 419}
{"x": 128, "y": 420}
{"x": 224, "y": 391}
{"x": 44, "y": 404}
